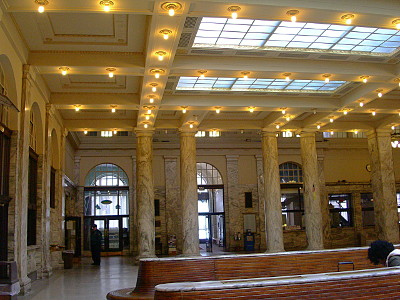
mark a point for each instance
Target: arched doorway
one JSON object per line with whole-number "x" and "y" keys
{"x": 106, "y": 204}
{"x": 210, "y": 191}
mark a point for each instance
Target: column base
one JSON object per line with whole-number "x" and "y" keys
{"x": 274, "y": 250}
{"x": 25, "y": 286}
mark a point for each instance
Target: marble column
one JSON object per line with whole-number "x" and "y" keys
{"x": 312, "y": 191}
{"x": 21, "y": 200}
{"x": 383, "y": 185}
{"x": 357, "y": 216}
{"x": 190, "y": 211}
{"x": 233, "y": 207}
{"x": 272, "y": 190}
{"x": 173, "y": 204}
{"x": 133, "y": 249}
{"x": 145, "y": 194}
{"x": 261, "y": 201}
{"x": 326, "y": 220}
{"x": 45, "y": 207}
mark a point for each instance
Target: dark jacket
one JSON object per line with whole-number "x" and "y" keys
{"x": 95, "y": 239}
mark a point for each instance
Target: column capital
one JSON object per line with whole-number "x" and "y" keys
{"x": 268, "y": 133}
{"x": 379, "y": 132}
{"x": 170, "y": 158}
{"x": 232, "y": 157}
{"x": 307, "y": 134}
{"x": 258, "y": 157}
{"x": 144, "y": 132}
{"x": 187, "y": 131}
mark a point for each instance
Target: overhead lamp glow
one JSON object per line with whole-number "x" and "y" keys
{"x": 287, "y": 76}
{"x": 373, "y": 113}
{"x": 161, "y": 55}
{"x": 283, "y": 110}
{"x": 277, "y": 126}
{"x": 106, "y": 5}
{"x": 393, "y": 127}
{"x": 147, "y": 117}
{"x": 234, "y": 9}
{"x": 364, "y": 79}
{"x": 396, "y": 23}
{"x": 77, "y": 107}
{"x": 288, "y": 118}
{"x": 113, "y": 110}
{"x": 184, "y": 109}
{"x": 293, "y": 14}
{"x": 202, "y": 72}
{"x": 157, "y": 72}
{"x": 64, "y": 70}
{"x": 111, "y": 72}
{"x": 166, "y": 33}
{"x": 356, "y": 132}
{"x": 318, "y": 126}
{"x": 145, "y": 125}
{"x": 153, "y": 87}
{"x": 191, "y": 124}
{"x": 397, "y": 80}
{"x": 326, "y": 77}
{"x": 345, "y": 112}
{"x": 85, "y": 132}
{"x": 171, "y": 7}
{"x": 151, "y": 98}
{"x": 361, "y": 104}
{"x": 379, "y": 93}
{"x": 115, "y": 131}
{"x": 149, "y": 111}
{"x": 251, "y": 109}
{"x": 332, "y": 132}
{"x": 218, "y": 110}
{"x": 331, "y": 119}
{"x": 42, "y": 4}
{"x": 245, "y": 75}
{"x": 348, "y": 18}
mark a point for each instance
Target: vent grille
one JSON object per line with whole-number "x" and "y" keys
{"x": 187, "y": 92}
{"x": 184, "y": 40}
{"x": 345, "y": 90}
{"x": 206, "y": 52}
{"x": 380, "y": 59}
{"x": 337, "y": 57}
{"x": 249, "y": 53}
{"x": 296, "y": 55}
{"x": 169, "y": 85}
{"x": 190, "y": 22}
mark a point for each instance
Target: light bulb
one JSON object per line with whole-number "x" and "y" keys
{"x": 157, "y": 75}
{"x": 374, "y": 113}
{"x": 184, "y": 110}
{"x": 326, "y": 80}
{"x": 115, "y": 132}
{"x": 85, "y": 132}
{"x": 356, "y": 132}
{"x": 160, "y": 58}
{"x": 165, "y": 36}
{"x": 111, "y": 74}
{"x": 106, "y": 8}
{"x": 283, "y": 112}
{"x": 64, "y": 72}
{"x": 191, "y": 125}
{"x": 245, "y": 77}
{"x": 345, "y": 112}
{"x": 149, "y": 111}
{"x": 217, "y": 110}
{"x": 113, "y": 110}
{"x": 318, "y": 126}
{"x": 145, "y": 125}
{"x": 380, "y": 95}
{"x": 348, "y": 21}
{"x": 251, "y": 109}
{"x": 331, "y": 132}
{"x": 331, "y": 120}
{"x": 287, "y": 78}
{"x": 77, "y": 108}
{"x": 151, "y": 100}
{"x": 398, "y": 26}
{"x": 361, "y": 104}
{"x": 41, "y": 9}
{"x": 171, "y": 12}
{"x": 392, "y": 127}
{"x": 234, "y": 15}
{"x": 288, "y": 118}
{"x": 154, "y": 89}
{"x": 277, "y": 126}
{"x": 202, "y": 76}
{"x": 147, "y": 117}
{"x": 293, "y": 18}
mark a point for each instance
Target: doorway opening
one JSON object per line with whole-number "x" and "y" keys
{"x": 210, "y": 191}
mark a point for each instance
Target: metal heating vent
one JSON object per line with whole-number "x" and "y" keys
{"x": 185, "y": 39}
{"x": 190, "y": 22}
{"x": 337, "y": 57}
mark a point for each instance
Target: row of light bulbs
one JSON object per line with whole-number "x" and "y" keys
{"x": 173, "y": 7}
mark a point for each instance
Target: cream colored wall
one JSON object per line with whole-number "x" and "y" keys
{"x": 396, "y": 163}
{"x": 159, "y": 170}
{"x": 346, "y": 164}
{"x": 247, "y": 170}
{"x": 89, "y": 162}
{"x": 69, "y": 160}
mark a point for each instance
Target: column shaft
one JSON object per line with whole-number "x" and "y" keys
{"x": 273, "y": 206}
{"x": 190, "y": 214}
{"x": 233, "y": 212}
{"x": 145, "y": 194}
{"x": 383, "y": 185}
{"x": 312, "y": 196}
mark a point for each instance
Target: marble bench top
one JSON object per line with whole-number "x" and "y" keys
{"x": 259, "y": 254}
{"x": 270, "y": 281}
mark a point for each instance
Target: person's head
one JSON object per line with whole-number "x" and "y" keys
{"x": 378, "y": 251}
{"x": 94, "y": 227}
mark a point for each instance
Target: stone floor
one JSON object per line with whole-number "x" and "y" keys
{"x": 86, "y": 282}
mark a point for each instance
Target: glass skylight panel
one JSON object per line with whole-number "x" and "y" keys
{"x": 263, "y": 34}
{"x": 252, "y": 84}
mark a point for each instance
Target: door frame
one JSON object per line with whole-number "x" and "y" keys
{"x": 106, "y": 236}
{"x": 78, "y": 234}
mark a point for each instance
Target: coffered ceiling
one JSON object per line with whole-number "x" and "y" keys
{"x": 80, "y": 37}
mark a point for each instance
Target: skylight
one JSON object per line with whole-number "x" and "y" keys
{"x": 237, "y": 33}
{"x": 252, "y": 84}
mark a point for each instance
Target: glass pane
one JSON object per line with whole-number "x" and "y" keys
{"x": 101, "y": 226}
{"x": 125, "y": 233}
{"x": 203, "y": 228}
{"x": 113, "y": 234}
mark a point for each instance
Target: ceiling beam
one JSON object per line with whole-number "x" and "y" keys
{"x": 100, "y": 100}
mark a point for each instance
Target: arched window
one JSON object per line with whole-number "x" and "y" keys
{"x": 106, "y": 191}
{"x": 106, "y": 175}
{"x": 207, "y": 174}
{"x": 32, "y": 131}
{"x": 290, "y": 172}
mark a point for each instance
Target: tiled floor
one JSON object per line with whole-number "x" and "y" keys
{"x": 86, "y": 282}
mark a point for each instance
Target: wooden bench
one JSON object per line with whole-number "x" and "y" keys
{"x": 365, "y": 284}
{"x": 154, "y": 271}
